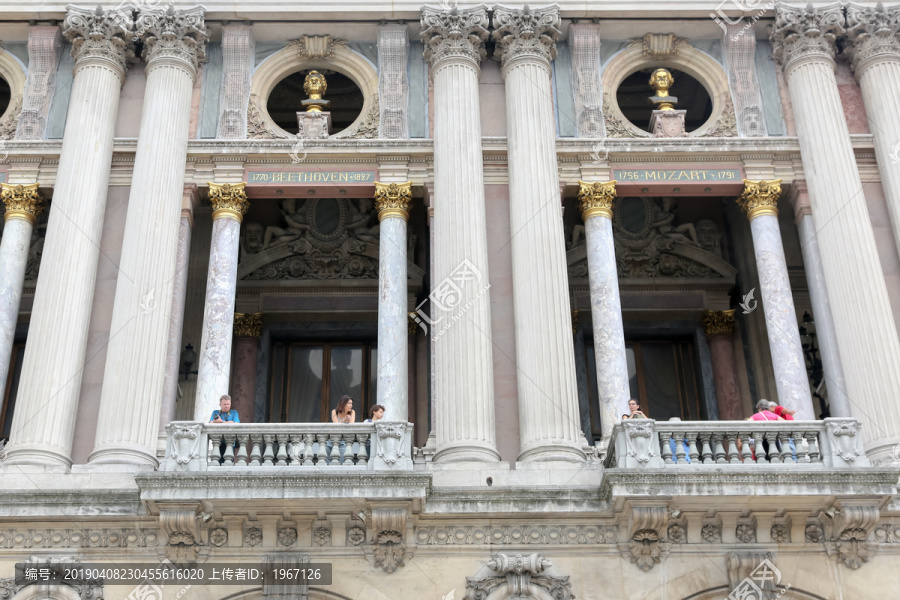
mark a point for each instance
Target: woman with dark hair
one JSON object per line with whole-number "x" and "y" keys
{"x": 636, "y": 413}
{"x": 344, "y": 413}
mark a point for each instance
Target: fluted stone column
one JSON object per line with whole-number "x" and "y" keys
{"x": 392, "y": 203}
{"x": 719, "y": 329}
{"x": 229, "y": 204}
{"x": 44, "y": 420}
{"x": 247, "y": 331}
{"x": 803, "y": 41}
{"x": 174, "y": 43}
{"x": 23, "y": 207}
{"x": 463, "y": 385}
{"x": 176, "y": 321}
{"x": 760, "y": 201}
{"x": 596, "y": 204}
{"x": 549, "y": 420}
{"x": 875, "y": 57}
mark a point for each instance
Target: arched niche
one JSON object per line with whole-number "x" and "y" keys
{"x": 12, "y": 71}
{"x": 688, "y": 59}
{"x": 288, "y": 60}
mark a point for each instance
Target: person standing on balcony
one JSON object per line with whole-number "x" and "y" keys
{"x": 764, "y": 413}
{"x": 225, "y": 414}
{"x": 635, "y": 407}
{"x": 376, "y": 413}
{"x": 345, "y": 414}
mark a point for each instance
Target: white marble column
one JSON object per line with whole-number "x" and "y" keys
{"x": 875, "y": 58}
{"x": 174, "y": 43}
{"x": 596, "y": 204}
{"x": 760, "y": 201}
{"x": 176, "y": 321}
{"x": 803, "y": 41}
{"x": 549, "y": 419}
{"x": 23, "y": 207}
{"x": 392, "y": 203}
{"x": 44, "y": 420}
{"x": 229, "y": 204}
{"x": 459, "y": 303}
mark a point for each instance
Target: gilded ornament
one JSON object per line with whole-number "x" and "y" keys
{"x": 595, "y": 199}
{"x": 22, "y": 202}
{"x": 229, "y": 201}
{"x": 718, "y": 321}
{"x": 760, "y": 198}
{"x": 248, "y": 325}
{"x": 661, "y": 80}
{"x": 315, "y": 85}
{"x": 392, "y": 200}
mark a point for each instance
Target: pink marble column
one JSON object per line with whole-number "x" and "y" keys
{"x": 719, "y": 328}
{"x": 247, "y": 331}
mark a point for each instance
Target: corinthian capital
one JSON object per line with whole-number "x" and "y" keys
{"x": 454, "y": 33}
{"x": 22, "y": 202}
{"x": 873, "y": 33}
{"x": 595, "y": 199}
{"x": 802, "y": 33}
{"x": 760, "y": 198}
{"x": 526, "y": 32}
{"x": 99, "y": 34}
{"x": 173, "y": 34}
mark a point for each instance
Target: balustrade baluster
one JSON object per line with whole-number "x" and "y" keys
{"x": 787, "y": 456}
{"x": 214, "y": 455}
{"x": 678, "y": 440}
{"x": 802, "y": 455}
{"x": 813, "y": 438}
{"x": 720, "y": 449}
{"x": 363, "y": 459}
{"x": 228, "y": 457}
{"x": 666, "y": 448}
{"x": 281, "y": 456}
{"x": 268, "y": 451}
{"x": 308, "y": 440}
{"x": 706, "y": 451}
{"x": 774, "y": 456}
{"x": 692, "y": 447}
{"x": 241, "y": 459}
{"x": 758, "y": 447}
{"x": 733, "y": 456}
{"x": 296, "y": 449}
{"x": 746, "y": 454}
{"x": 255, "y": 453}
{"x": 320, "y": 455}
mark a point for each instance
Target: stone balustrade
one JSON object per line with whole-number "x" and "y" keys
{"x": 649, "y": 444}
{"x": 193, "y": 446}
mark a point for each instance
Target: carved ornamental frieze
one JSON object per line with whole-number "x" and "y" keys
{"x": 526, "y": 33}
{"x": 173, "y": 34}
{"x": 100, "y": 34}
{"x": 455, "y": 33}
{"x": 806, "y": 33}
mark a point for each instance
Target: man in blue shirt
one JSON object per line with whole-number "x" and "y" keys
{"x": 224, "y": 414}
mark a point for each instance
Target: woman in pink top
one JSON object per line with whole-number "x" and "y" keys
{"x": 763, "y": 413}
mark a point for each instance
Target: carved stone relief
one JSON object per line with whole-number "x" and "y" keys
{"x": 518, "y": 573}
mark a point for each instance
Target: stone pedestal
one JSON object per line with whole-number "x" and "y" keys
{"x": 392, "y": 203}
{"x": 549, "y": 420}
{"x": 44, "y": 420}
{"x": 803, "y": 41}
{"x": 719, "y": 329}
{"x": 668, "y": 123}
{"x": 759, "y": 200}
{"x": 247, "y": 331}
{"x": 23, "y": 207}
{"x": 229, "y": 204}
{"x": 596, "y": 204}
{"x": 174, "y": 43}
{"x": 314, "y": 125}
{"x": 464, "y": 370}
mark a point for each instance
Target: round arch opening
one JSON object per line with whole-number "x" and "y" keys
{"x": 634, "y": 92}
{"x": 345, "y": 99}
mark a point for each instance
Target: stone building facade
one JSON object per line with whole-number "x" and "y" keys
{"x": 500, "y": 223}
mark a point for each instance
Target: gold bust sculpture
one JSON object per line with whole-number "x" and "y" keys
{"x": 315, "y": 85}
{"x": 661, "y": 80}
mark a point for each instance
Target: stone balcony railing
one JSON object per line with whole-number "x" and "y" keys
{"x": 698, "y": 445}
{"x": 381, "y": 446}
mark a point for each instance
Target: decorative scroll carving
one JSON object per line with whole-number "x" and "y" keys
{"x": 740, "y": 50}
{"x": 257, "y": 128}
{"x": 96, "y": 33}
{"x": 806, "y": 32}
{"x": 185, "y": 443}
{"x": 173, "y": 34}
{"x": 10, "y": 122}
{"x": 616, "y": 127}
{"x": 526, "y": 32}
{"x": 646, "y": 548}
{"x": 179, "y": 522}
{"x": 726, "y": 126}
{"x": 518, "y": 573}
{"x": 454, "y": 34}
{"x": 390, "y": 551}
{"x": 852, "y": 522}
{"x": 238, "y": 48}
{"x": 584, "y": 41}
{"x": 659, "y": 46}
{"x": 872, "y": 32}
{"x": 316, "y": 46}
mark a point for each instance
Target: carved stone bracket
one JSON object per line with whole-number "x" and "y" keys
{"x": 389, "y": 549}
{"x": 659, "y": 46}
{"x": 186, "y": 445}
{"x": 842, "y": 440}
{"x": 518, "y": 573}
{"x": 392, "y": 448}
{"x": 180, "y": 523}
{"x": 316, "y": 46}
{"x": 647, "y": 529}
{"x": 745, "y": 531}
{"x": 853, "y": 521}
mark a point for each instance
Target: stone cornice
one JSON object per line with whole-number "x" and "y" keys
{"x": 526, "y": 33}
{"x": 873, "y": 35}
{"x": 170, "y": 34}
{"x": 454, "y": 34}
{"x": 801, "y": 34}
{"x": 98, "y": 34}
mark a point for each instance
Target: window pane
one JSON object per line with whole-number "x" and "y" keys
{"x": 346, "y": 377}
{"x": 305, "y": 384}
{"x": 662, "y": 382}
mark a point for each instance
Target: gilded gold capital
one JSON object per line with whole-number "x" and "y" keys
{"x": 229, "y": 201}
{"x": 760, "y": 198}
{"x": 22, "y": 202}
{"x": 596, "y": 199}
{"x": 392, "y": 200}
{"x": 248, "y": 325}
{"x": 718, "y": 321}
